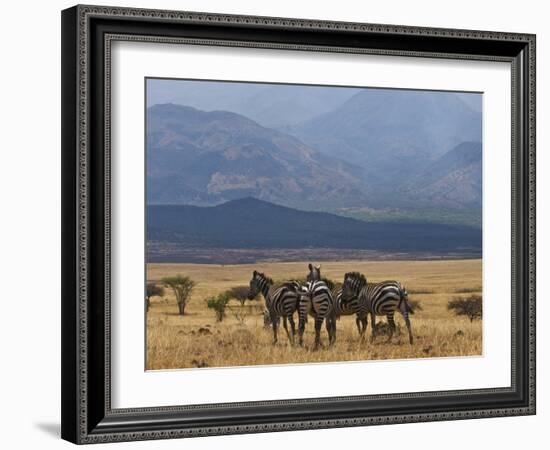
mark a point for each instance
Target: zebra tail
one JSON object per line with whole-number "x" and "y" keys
{"x": 403, "y": 297}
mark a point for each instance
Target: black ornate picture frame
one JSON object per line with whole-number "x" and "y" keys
{"x": 87, "y": 34}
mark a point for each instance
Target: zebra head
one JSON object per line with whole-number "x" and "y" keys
{"x": 314, "y": 273}
{"x": 353, "y": 283}
{"x": 258, "y": 283}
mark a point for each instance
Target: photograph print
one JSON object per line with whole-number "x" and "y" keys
{"x": 292, "y": 224}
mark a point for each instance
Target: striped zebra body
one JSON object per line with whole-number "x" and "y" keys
{"x": 349, "y": 307}
{"x": 379, "y": 299}
{"x": 316, "y": 301}
{"x": 280, "y": 301}
{"x": 314, "y": 275}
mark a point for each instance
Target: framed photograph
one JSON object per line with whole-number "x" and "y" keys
{"x": 281, "y": 224}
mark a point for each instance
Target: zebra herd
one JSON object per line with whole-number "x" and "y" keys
{"x": 316, "y": 298}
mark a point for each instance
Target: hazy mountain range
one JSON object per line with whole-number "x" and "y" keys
{"x": 452, "y": 181}
{"x": 395, "y": 133}
{"x": 270, "y": 105}
{"x": 375, "y": 149}
{"x": 205, "y": 158}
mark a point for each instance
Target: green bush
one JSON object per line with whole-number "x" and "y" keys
{"x": 218, "y": 304}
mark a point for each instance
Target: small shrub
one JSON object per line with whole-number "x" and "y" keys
{"x": 218, "y": 304}
{"x": 470, "y": 307}
{"x": 153, "y": 290}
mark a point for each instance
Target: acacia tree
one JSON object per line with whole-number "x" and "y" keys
{"x": 240, "y": 293}
{"x": 182, "y": 287}
{"x": 470, "y": 307}
{"x": 153, "y": 290}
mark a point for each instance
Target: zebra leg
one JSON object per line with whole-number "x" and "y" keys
{"x": 318, "y": 325}
{"x": 359, "y": 325}
{"x": 373, "y": 326}
{"x": 301, "y": 329}
{"x": 391, "y": 323}
{"x": 331, "y": 329}
{"x": 408, "y": 322}
{"x": 328, "y": 326}
{"x": 362, "y": 322}
{"x": 286, "y": 328}
{"x": 275, "y": 324}
{"x": 405, "y": 312}
{"x": 303, "y": 311}
{"x": 292, "y": 329}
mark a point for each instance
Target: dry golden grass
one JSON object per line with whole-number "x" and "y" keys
{"x": 197, "y": 340}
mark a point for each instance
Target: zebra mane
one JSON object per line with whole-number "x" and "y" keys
{"x": 263, "y": 276}
{"x": 329, "y": 283}
{"x": 292, "y": 285}
{"x": 356, "y": 275}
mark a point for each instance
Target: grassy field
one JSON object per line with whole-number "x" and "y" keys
{"x": 197, "y": 340}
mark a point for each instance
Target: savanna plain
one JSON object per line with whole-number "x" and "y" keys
{"x": 199, "y": 339}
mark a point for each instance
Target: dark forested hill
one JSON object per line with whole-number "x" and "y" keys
{"x": 252, "y": 223}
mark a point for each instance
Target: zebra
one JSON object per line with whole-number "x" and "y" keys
{"x": 378, "y": 299}
{"x": 316, "y": 300}
{"x": 340, "y": 307}
{"x": 348, "y": 307}
{"x": 280, "y": 301}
